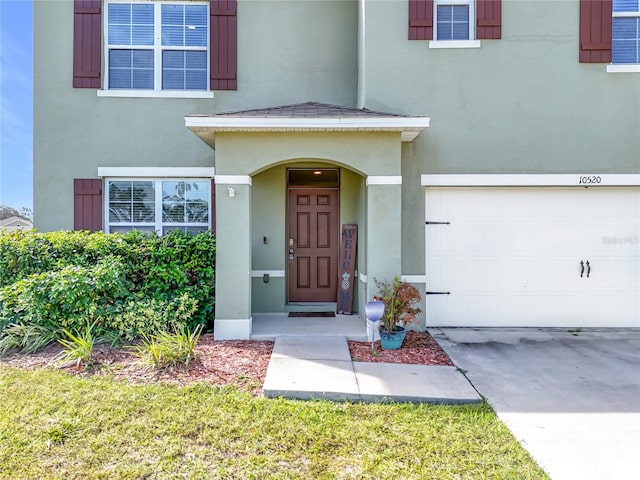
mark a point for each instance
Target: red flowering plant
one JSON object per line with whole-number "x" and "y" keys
{"x": 399, "y": 300}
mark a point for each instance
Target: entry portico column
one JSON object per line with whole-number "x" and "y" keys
{"x": 384, "y": 230}
{"x": 233, "y": 257}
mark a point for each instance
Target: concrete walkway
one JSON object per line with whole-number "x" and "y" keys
{"x": 320, "y": 367}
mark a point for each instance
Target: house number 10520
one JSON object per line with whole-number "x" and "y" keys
{"x": 590, "y": 179}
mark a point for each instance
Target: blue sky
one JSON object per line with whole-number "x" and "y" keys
{"x": 16, "y": 103}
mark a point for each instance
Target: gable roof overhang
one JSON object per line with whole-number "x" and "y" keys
{"x": 305, "y": 117}
{"x": 15, "y": 222}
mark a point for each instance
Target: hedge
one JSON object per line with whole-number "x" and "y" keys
{"x": 126, "y": 281}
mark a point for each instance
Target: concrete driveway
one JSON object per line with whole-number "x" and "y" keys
{"x": 572, "y": 399}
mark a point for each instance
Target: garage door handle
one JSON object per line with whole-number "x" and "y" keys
{"x": 588, "y": 269}
{"x": 581, "y": 268}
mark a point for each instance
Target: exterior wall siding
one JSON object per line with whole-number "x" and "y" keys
{"x": 287, "y": 59}
{"x": 522, "y": 104}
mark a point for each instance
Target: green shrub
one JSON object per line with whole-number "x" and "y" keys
{"x": 25, "y": 253}
{"x": 66, "y": 298}
{"x": 135, "y": 318}
{"x": 154, "y": 270}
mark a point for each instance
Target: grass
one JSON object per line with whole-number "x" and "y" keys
{"x": 55, "y": 426}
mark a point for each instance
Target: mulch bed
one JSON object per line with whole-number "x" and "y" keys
{"x": 418, "y": 348}
{"x": 242, "y": 363}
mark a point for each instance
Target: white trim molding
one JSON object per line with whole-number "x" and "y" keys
{"x": 206, "y": 126}
{"x": 623, "y": 68}
{"x": 232, "y": 328}
{"x": 363, "y": 277}
{"x": 414, "y": 278}
{"x": 154, "y": 94}
{"x": 543, "y": 180}
{"x": 455, "y": 44}
{"x": 384, "y": 180}
{"x": 233, "y": 180}
{"x": 271, "y": 273}
{"x": 157, "y": 172}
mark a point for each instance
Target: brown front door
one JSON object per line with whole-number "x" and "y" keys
{"x": 312, "y": 244}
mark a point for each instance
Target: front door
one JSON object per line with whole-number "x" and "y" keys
{"x": 312, "y": 244}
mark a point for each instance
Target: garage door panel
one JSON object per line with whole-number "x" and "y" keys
{"x": 494, "y": 272}
{"x": 511, "y": 256}
{"x": 512, "y": 238}
{"x": 533, "y": 310}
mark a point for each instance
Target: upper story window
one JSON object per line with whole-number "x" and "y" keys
{"x": 157, "y": 46}
{"x": 455, "y": 20}
{"x": 455, "y": 23}
{"x": 626, "y": 31}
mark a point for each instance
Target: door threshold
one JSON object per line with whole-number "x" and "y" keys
{"x": 310, "y": 307}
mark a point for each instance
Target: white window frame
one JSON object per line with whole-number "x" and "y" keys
{"x": 624, "y": 67}
{"x": 157, "y": 47}
{"x": 471, "y": 42}
{"x": 158, "y": 224}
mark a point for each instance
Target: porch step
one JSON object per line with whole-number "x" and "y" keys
{"x": 268, "y": 326}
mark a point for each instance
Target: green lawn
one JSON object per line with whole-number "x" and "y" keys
{"x": 53, "y": 425}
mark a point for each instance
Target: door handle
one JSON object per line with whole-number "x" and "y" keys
{"x": 588, "y": 269}
{"x": 581, "y": 268}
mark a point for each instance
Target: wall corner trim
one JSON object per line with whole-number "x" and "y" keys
{"x": 233, "y": 180}
{"x": 384, "y": 180}
{"x": 271, "y": 273}
{"x": 414, "y": 278}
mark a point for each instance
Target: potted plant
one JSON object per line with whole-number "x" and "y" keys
{"x": 399, "y": 299}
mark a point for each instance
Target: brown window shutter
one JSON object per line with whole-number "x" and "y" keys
{"x": 87, "y": 204}
{"x": 213, "y": 205}
{"x": 223, "y": 43}
{"x": 87, "y": 35}
{"x": 595, "y": 31}
{"x": 489, "y": 19}
{"x": 420, "y": 19}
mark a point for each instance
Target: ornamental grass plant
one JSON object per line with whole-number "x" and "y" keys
{"x": 399, "y": 300}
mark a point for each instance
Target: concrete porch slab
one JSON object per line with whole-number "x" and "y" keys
{"x": 332, "y": 348}
{"x": 310, "y": 379}
{"x": 413, "y": 383}
{"x": 268, "y": 326}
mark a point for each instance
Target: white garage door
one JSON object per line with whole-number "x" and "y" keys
{"x": 533, "y": 256}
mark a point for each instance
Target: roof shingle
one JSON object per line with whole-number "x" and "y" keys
{"x": 309, "y": 110}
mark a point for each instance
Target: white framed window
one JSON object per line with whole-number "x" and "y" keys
{"x": 156, "y": 46}
{"x": 626, "y": 32}
{"x": 157, "y": 205}
{"x": 454, "y": 20}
